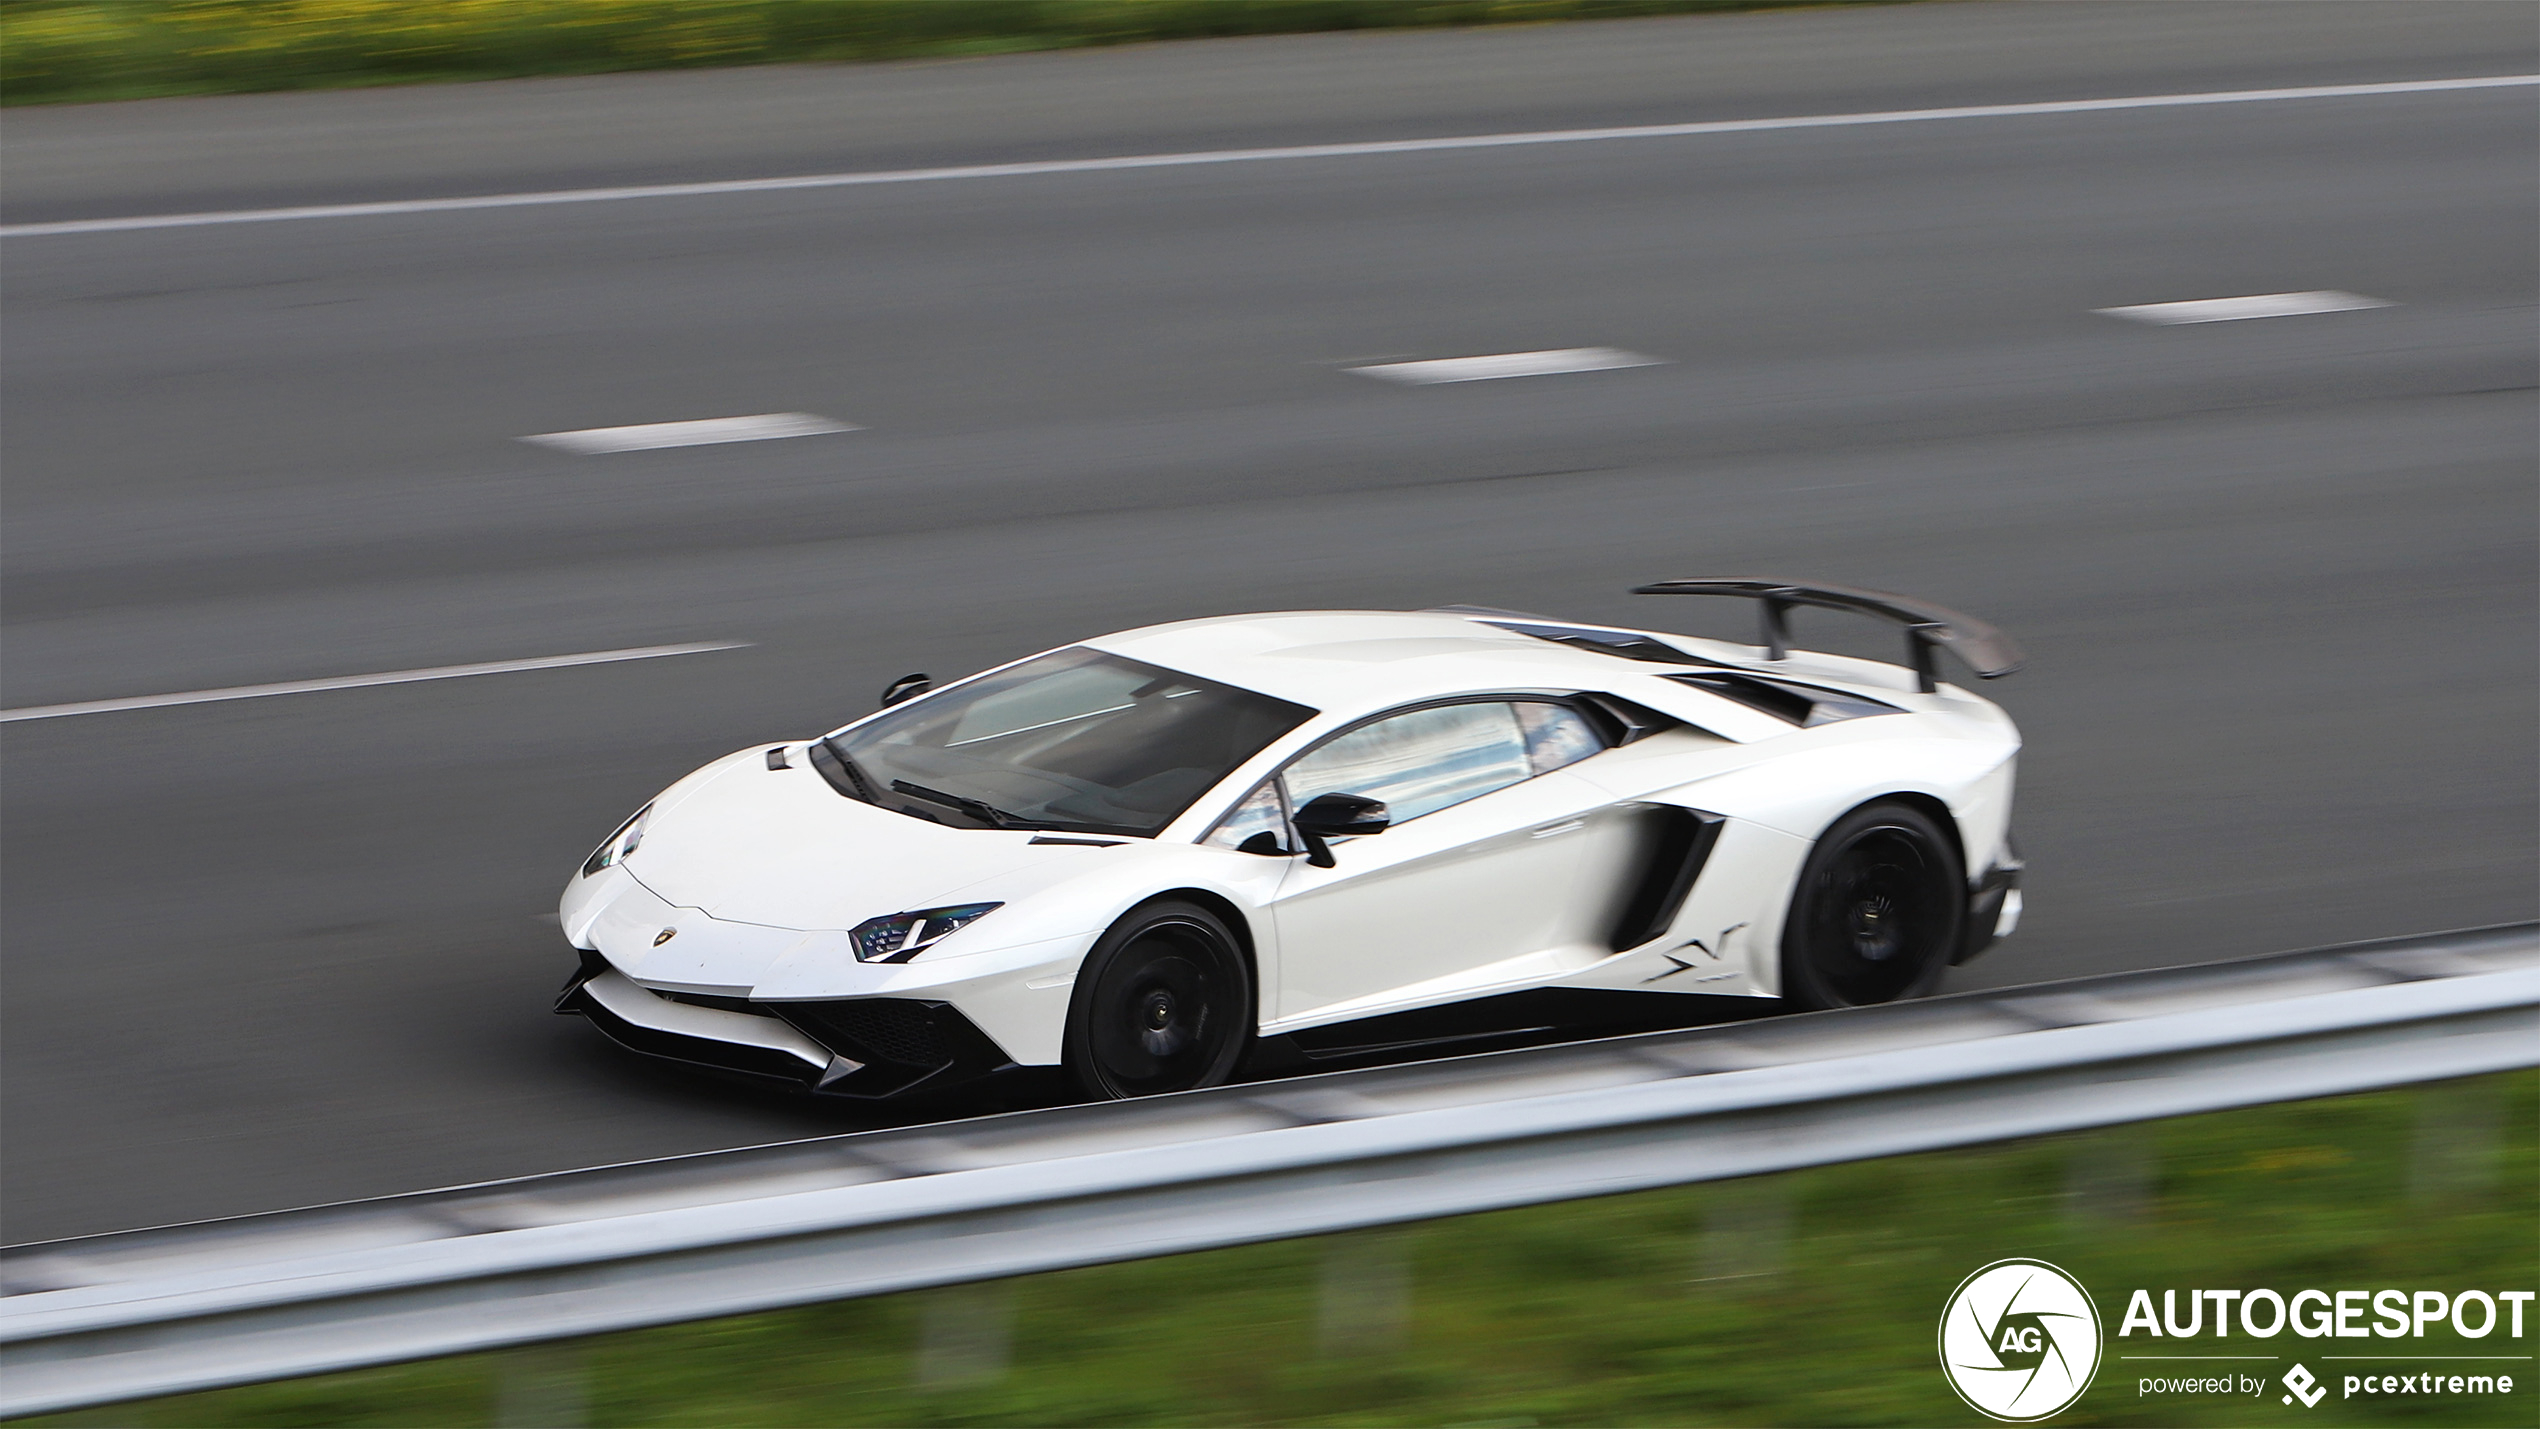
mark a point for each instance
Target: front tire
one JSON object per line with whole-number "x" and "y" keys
{"x": 1879, "y": 908}
{"x": 1164, "y": 1003}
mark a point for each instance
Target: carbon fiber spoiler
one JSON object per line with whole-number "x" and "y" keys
{"x": 1928, "y": 627}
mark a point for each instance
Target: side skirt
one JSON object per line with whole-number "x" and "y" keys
{"x": 1488, "y": 1024}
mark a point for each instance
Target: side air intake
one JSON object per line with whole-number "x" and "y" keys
{"x": 1680, "y": 843}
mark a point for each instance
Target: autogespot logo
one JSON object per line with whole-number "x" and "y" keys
{"x": 2019, "y": 1340}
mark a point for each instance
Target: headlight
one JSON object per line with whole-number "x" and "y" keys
{"x": 902, "y": 936}
{"x": 619, "y": 844}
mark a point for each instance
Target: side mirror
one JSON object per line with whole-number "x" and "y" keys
{"x": 906, "y": 687}
{"x": 1338, "y": 816}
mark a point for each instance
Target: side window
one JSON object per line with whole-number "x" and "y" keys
{"x": 1556, "y": 735}
{"x": 1419, "y": 762}
{"x": 1255, "y": 817}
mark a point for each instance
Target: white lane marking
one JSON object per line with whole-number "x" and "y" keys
{"x": 767, "y": 426}
{"x": 355, "y": 682}
{"x": 1248, "y": 156}
{"x": 2259, "y": 305}
{"x": 1508, "y": 364}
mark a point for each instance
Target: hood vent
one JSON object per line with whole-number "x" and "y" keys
{"x": 1624, "y": 643}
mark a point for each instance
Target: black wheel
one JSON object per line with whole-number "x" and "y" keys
{"x": 1879, "y": 907}
{"x": 1163, "y": 1004}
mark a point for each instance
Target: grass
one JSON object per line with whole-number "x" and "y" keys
{"x": 53, "y": 51}
{"x": 1805, "y": 1298}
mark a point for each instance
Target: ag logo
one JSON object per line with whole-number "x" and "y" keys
{"x": 2019, "y": 1340}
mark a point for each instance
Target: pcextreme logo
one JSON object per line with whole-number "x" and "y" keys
{"x": 2019, "y": 1340}
{"x": 2305, "y": 1386}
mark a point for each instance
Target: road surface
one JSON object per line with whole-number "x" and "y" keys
{"x": 2277, "y": 576}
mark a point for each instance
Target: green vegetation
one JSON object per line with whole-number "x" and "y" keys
{"x": 1805, "y": 1298}
{"x": 56, "y": 50}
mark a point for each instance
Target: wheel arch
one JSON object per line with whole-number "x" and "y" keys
{"x": 1223, "y": 907}
{"x": 1921, "y": 802}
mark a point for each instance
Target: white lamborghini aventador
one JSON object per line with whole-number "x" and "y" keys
{"x": 1153, "y": 858}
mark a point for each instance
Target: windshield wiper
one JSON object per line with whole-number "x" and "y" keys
{"x": 837, "y": 762}
{"x": 981, "y": 810}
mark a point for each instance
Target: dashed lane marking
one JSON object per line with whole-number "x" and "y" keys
{"x": 1508, "y": 364}
{"x": 2261, "y": 305}
{"x": 765, "y": 427}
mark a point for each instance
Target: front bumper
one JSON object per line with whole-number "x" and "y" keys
{"x": 1993, "y": 905}
{"x": 1017, "y": 994}
{"x": 858, "y": 1048}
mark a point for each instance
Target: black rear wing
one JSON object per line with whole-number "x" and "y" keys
{"x": 1928, "y": 627}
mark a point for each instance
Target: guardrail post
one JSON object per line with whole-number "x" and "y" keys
{"x": 2111, "y": 1178}
{"x": 1365, "y": 1302}
{"x": 541, "y": 1387}
{"x": 1745, "y": 1229}
{"x": 965, "y": 1334}
{"x": 2459, "y": 1128}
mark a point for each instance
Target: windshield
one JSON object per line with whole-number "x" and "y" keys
{"x": 1076, "y": 740}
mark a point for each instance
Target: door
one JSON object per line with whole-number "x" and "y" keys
{"x": 1474, "y": 870}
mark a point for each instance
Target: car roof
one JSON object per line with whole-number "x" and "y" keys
{"x": 1347, "y": 661}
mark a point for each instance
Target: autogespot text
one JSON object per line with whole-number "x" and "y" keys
{"x": 2324, "y": 1314}
{"x": 2436, "y": 1324}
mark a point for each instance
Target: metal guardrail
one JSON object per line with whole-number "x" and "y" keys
{"x": 151, "y": 1312}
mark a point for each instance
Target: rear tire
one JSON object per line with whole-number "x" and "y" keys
{"x": 1164, "y": 1003}
{"x": 1879, "y": 908}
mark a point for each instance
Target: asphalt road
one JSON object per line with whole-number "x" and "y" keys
{"x": 2277, "y": 577}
